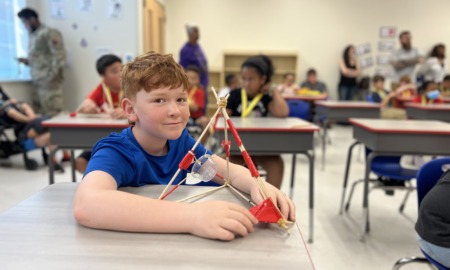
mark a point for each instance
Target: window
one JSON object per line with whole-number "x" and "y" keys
{"x": 13, "y": 42}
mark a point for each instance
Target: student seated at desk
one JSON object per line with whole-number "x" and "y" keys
{"x": 27, "y": 126}
{"x": 105, "y": 98}
{"x": 445, "y": 86}
{"x": 253, "y": 101}
{"x": 231, "y": 82}
{"x": 312, "y": 84}
{"x": 379, "y": 95}
{"x": 288, "y": 86}
{"x": 429, "y": 94}
{"x": 406, "y": 91}
{"x": 433, "y": 222}
{"x": 196, "y": 101}
{"x": 155, "y": 100}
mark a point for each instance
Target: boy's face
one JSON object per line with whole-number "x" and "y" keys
{"x": 378, "y": 84}
{"x": 446, "y": 84}
{"x": 289, "y": 80}
{"x": 160, "y": 114}
{"x": 431, "y": 87}
{"x": 312, "y": 78}
{"x": 111, "y": 77}
{"x": 252, "y": 80}
{"x": 193, "y": 78}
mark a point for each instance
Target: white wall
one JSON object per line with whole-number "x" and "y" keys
{"x": 319, "y": 30}
{"x": 121, "y": 36}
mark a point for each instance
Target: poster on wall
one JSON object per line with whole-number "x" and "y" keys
{"x": 115, "y": 9}
{"x": 366, "y": 62}
{"x": 57, "y": 9}
{"x": 384, "y": 71}
{"x": 386, "y": 45}
{"x": 383, "y": 60}
{"x": 388, "y": 31}
{"x": 363, "y": 48}
{"x": 85, "y": 5}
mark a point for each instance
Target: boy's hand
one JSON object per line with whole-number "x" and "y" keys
{"x": 117, "y": 113}
{"x": 220, "y": 220}
{"x": 284, "y": 203}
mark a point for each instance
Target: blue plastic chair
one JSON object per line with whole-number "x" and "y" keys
{"x": 427, "y": 177}
{"x": 387, "y": 167}
{"x": 299, "y": 108}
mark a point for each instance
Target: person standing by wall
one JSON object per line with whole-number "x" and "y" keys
{"x": 192, "y": 55}
{"x": 46, "y": 58}
{"x": 350, "y": 70}
{"x": 404, "y": 60}
{"x": 435, "y": 67}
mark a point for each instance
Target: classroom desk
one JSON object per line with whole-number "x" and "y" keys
{"x": 446, "y": 99}
{"x": 429, "y": 111}
{"x": 79, "y": 133}
{"x": 339, "y": 110}
{"x": 274, "y": 136}
{"x": 41, "y": 233}
{"x": 305, "y": 97}
{"x": 394, "y": 138}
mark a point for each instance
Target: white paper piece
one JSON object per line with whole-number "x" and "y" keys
{"x": 386, "y": 45}
{"x": 85, "y": 5}
{"x": 57, "y": 9}
{"x": 364, "y": 48}
{"x": 388, "y": 32}
{"x": 128, "y": 57}
{"x": 115, "y": 9}
{"x": 366, "y": 62}
{"x": 383, "y": 60}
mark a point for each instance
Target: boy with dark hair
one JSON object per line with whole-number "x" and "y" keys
{"x": 155, "y": 100}
{"x": 313, "y": 84}
{"x": 105, "y": 98}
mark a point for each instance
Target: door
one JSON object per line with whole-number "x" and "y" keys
{"x": 154, "y": 25}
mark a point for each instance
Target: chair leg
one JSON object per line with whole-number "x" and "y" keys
{"x": 408, "y": 260}
{"x": 405, "y": 199}
{"x": 347, "y": 205}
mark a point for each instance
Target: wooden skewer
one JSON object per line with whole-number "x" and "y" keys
{"x": 201, "y": 194}
{"x": 239, "y": 193}
{"x": 173, "y": 189}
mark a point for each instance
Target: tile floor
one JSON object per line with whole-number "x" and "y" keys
{"x": 336, "y": 238}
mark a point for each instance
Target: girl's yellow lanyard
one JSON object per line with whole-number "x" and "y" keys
{"x": 246, "y": 110}
{"x": 191, "y": 95}
{"x": 424, "y": 100}
{"x": 108, "y": 96}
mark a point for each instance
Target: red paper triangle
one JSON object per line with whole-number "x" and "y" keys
{"x": 266, "y": 212}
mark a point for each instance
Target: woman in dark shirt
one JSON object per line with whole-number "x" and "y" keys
{"x": 350, "y": 70}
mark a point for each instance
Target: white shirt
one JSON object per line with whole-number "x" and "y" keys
{"x": 433, "y": 70}
{"x": 403, "y": 55}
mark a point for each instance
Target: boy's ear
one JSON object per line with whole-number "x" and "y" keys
{"x": 128, "y": 108}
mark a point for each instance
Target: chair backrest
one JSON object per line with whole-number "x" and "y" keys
{"x": 428, "y": 175}
{"x": 298, "y": 108}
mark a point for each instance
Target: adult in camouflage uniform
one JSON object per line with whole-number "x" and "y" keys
{"x": 46, "y": 58}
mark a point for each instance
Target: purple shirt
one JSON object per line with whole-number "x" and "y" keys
{"x": 192, "y": 54}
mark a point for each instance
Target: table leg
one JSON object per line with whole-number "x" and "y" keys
{"x": 347, "y": 169}
{"x": 311, "y": 196}
{"x": 294, "y": 161}
{"x": 72, "y": 165}
{"x": 51, "y": 165}
{"x": 365, "y": 227}
{"x": 324, "y": 141}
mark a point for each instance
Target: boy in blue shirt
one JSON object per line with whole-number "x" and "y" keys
{"x": 155, "y": 101}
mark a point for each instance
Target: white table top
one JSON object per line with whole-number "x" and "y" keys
{"x": 402, "y": 126}
{"x": 431, "y": 107}
{"x": 347, "y": 104}
{"x": 41, "y": 233}
{"x": 270, "y": 124}
{"x": 65, "y": 120}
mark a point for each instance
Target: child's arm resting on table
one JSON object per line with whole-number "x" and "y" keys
{"x": 242, "y": 180}
{"x": 98, "y": 204}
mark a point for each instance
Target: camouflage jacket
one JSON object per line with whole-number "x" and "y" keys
{"x": 46, "y": 53}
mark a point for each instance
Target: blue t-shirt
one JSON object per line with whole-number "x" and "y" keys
{"x": 123, "y": 158}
